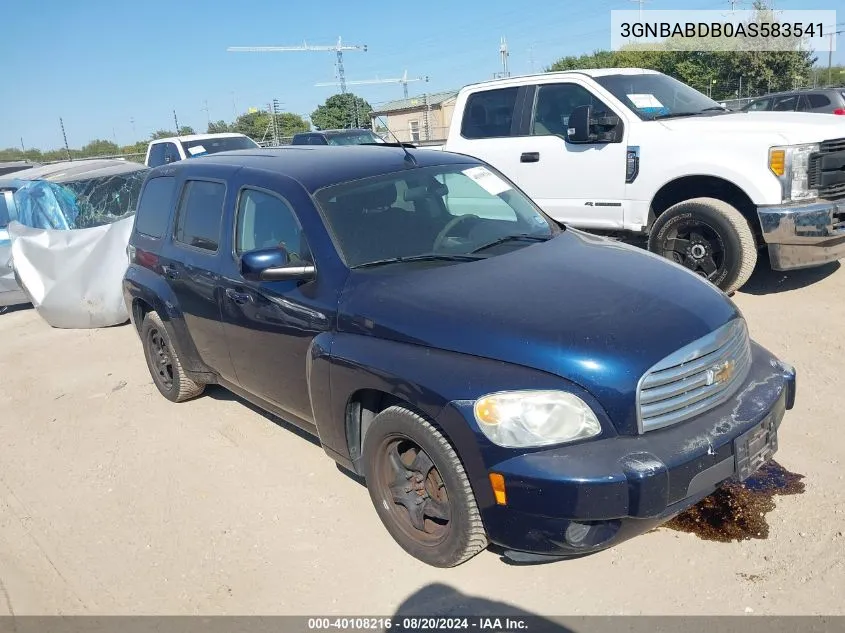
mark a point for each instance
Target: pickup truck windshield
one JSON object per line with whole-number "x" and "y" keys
{"x": 200, "y": 147}
{"x": 448, "y": 213}
{"x": 651, "y": 96}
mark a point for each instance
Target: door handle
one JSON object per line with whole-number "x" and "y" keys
{"x": 170, "y": 271}
{"x": 238, "y": 297}
{"x": 530, "y": 157}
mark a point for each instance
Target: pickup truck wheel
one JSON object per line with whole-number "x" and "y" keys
{"x": 710, "y": 237}
{"x": 420, "y": 490}
{"x": 164, "y": 364}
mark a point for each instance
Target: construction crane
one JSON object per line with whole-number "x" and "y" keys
{"x": 402, "y": 80}
{"x": 338, "y": 48}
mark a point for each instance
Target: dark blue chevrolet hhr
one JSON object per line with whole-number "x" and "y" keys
{"x": 495, "y": 377}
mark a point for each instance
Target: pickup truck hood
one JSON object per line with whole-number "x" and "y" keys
{"x": 592, "y": 311}
{"x": 786, "y": 128}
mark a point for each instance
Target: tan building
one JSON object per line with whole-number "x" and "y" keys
{"x": 417, "y": 119}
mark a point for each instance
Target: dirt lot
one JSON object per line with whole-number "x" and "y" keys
{"x": 113, "y": 500}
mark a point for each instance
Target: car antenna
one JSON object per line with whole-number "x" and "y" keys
{"x": 408, "y": 155}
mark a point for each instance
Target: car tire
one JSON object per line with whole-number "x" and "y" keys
{"x": 710, "y": 237}
{"x": 164, "y": 364}
{"x": 428, "y": 477}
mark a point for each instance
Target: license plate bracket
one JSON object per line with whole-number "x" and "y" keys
{"x": 755, "y": 447}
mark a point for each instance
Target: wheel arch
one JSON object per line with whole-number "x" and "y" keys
{"x": 705, "y": 186}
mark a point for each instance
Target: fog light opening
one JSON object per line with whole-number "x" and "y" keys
{"x": 591, "y": 534}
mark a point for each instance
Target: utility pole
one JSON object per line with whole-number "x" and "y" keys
{"x": 641, "y": 3}
{"x": 830, "y": 56}
{"x": 503, "y": 52}
{"x": 234, "y": 107}
{"x": 23, "y": 149}
{"x": 64, "y": 136}
{"x": 207, "y": 115}
{"x": 338, "y": 49}
{"x": 176, "y": 122}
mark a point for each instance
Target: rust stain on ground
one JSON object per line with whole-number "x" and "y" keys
{"x": 737, "y": 511}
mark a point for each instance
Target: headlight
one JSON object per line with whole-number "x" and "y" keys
{"x": 791, "y": 165}
{"x": 520, "y": 419}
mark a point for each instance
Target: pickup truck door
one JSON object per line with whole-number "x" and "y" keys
{"x": 582, "y": 184}
{"x": 270, "y": 325}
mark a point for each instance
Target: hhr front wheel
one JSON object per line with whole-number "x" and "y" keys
{"x": 164, "y": 364}
{"x": 420, "y": 489}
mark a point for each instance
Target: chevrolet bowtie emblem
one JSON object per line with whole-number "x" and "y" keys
{"x": 720, "y": 373}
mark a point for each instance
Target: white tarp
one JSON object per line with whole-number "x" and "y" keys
{"x": 74, "y": 278}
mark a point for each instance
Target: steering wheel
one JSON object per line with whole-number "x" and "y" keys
{"x": 451, "y": 224}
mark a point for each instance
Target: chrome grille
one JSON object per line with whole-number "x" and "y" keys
{"x": 694, "y": 379}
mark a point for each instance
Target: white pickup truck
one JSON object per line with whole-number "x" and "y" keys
{"x": 169, "y": 150}
{"x": 634, "y": 150}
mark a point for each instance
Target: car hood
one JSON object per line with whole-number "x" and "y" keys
{"x": 596, "y": 312}
{"x": 784, "y": 127}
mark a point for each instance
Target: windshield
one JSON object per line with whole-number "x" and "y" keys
{"x": 78, "y": 204}
{"x": 352, "y": 138}
{"x": 449, "y": 211}
{"x": 203, "y": 146}
{"x": 652, "y": 96}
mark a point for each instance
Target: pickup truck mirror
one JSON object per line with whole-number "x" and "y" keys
{"x": 584, "y": 127}
{"x": 274, "y": 264}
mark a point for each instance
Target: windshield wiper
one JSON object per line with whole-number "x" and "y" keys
{"x": 671, "y": 115}
{"x": 419, "y": 258}
{"x": 508, "y": 238}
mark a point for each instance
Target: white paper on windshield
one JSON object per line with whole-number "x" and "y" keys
{"x": 644, "y": 101}
{"x": 196, "y": 149}
{"x": 487, "y": 180}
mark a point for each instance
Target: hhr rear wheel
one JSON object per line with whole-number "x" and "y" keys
{"x": 420, "y": 489}
{"x": 163, "y": 362}
{"x": 710, "y": 237}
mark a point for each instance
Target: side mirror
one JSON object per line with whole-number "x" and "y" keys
{"x": 274, "y": 264}
{"x": 584, "y": 127}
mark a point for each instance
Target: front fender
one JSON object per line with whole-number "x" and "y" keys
{"x": 440, "y": 384}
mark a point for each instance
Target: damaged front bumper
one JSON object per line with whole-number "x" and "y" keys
{"x": 583, "y": 498}
{"x": 804, "y": 235}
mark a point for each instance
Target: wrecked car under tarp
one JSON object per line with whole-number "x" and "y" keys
{"x": 68, "y": 228}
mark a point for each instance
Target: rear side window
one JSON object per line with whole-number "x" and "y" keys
{"x": 785, "y": 104}
{"x": 156, "y": 155}
{"x": 154, "y": 207}
{"x": 489, "y": 114}
{"x": 818, "y": 101}
{"x": 762, "y": 104}
{"x": 200, "y": 212}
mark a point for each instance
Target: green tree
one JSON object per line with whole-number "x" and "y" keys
{"x": 161, "y": 134}
{"x": 100, "y": 147}
{"x": 218, "y": 127}
{"x": 342, "y": 111}
{"x": 253, "y": 124}
{"x": 290, "y": 124}
{"x": 186, "y": 130}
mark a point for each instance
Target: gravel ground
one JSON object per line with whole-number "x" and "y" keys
{"x": 115, "y": 501}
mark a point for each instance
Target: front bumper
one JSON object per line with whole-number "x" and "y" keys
{"x": 578, "y": 499}
{"x": 804, "y": 235}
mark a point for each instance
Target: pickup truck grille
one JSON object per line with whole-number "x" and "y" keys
{"x": 826, "y": 169}
{"x": 694, "y": 379}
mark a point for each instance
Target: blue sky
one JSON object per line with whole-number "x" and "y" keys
{"x": 100, "y": 64}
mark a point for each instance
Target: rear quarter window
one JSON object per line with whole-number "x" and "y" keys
{"x": 154, "y": 207}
